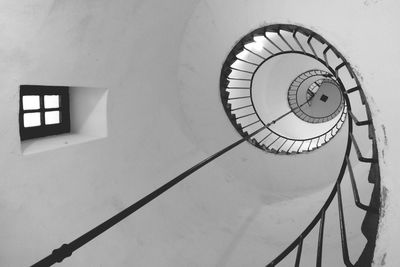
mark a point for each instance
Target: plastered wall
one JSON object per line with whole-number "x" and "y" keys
{"x": 160, "y": 61}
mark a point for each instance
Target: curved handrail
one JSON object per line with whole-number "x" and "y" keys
{"x": 327, "y": 203}
{"x": 320, "y": 217}
{"x": 66, "y": 250}
{"x": 314, "y": 137}
{"x": 295, "y": 87}
{"x": 224, "y": 94}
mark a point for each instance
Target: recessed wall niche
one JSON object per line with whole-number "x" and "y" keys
{"x": 88, "y": 121}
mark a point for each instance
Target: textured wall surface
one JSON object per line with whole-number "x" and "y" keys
{"x": 160, "y": 61}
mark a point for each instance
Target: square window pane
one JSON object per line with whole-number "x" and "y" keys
{"x": 51, "y": 101}
{"x": 30, "y": 102}
{"x": 52, "y": 117}
{"x": 31, "y": 119}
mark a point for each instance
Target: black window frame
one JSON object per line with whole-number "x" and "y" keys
{"x": 45, "y": 130}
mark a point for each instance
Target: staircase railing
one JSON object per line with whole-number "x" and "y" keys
{"x": 372, "y": 210}
{"x": 245, "y": 59}
{"x": 336, "y": 191}
{"x": 66, "y": 250}
{"x": 370, "y": 223}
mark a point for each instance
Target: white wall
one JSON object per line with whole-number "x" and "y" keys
{"x": 161, "y": 61}
{"x": 364, "y": 32}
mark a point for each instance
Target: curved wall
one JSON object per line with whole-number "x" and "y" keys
{"x": 364, "y": 31}
{"x": 161, "y": 63}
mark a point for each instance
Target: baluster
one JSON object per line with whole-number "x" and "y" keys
{"x": 298, "y": 254}
{"x": 320, "y": 239}
{"x": 345, "y": 250}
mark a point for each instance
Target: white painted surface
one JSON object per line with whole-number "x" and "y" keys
{"x": 88, "y": 116}
{"x": 161, "y": 61}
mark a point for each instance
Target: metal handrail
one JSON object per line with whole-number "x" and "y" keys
{"x": 314, "y": 137}
{"x": 357, "y": 122}
{"x": 241, "y": 46}
{"x": 66, "y": 250}
{"x": 355, "y": 190}
{"x": 320, "y": 217}
{"x": 300, "y": 80}
{"x": 358, "y": 151}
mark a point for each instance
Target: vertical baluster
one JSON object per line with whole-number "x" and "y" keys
{"x": 262, "y": 140}
{"x": 308, "y": 149}
{"x": 320, "y": 239}
{"x": 300, "y": 147}
{"x": 281, "y": 146}
{"x": 355, "y": 190}
{"x": 341, "y": 65}
{"x": 288, "y": 150}
{"x": 263, "y": 58}
{"x": 298, "y": 255}
{"x": 297, "y": 41}
{"x": 325, "y": 57}
{"x": 345, "y": 250}
{"x": 312, "y": 48}
{"x": 272, "y": 42}
{"x": 273, "y": 142}
{"x": 318, "y": 142}
{"x": 284, "y": 40}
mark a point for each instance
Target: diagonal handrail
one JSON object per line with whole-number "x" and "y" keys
{"x": 66, "y": 250}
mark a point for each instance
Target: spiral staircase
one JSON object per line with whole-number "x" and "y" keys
{"x": 237, "y": 91}
{"x": 239, "y": 75}
{"x": 331, "y": 79}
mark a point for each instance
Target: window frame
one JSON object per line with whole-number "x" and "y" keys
{"x": 44, "y": 130}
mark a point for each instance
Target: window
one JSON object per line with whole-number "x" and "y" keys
{"x": 44, "y": 110}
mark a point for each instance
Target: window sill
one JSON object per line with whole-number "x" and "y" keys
{"x": 43, "y": 144}
{"x": 88, "y": 112}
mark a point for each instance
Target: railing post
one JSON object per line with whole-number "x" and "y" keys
{"x": 320, "y": 239}
{"x": 355, "y": 190}
{"x": 345, "y": 250}
{"x": 359, "y": 155}
{"x": 298, "y": 254}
